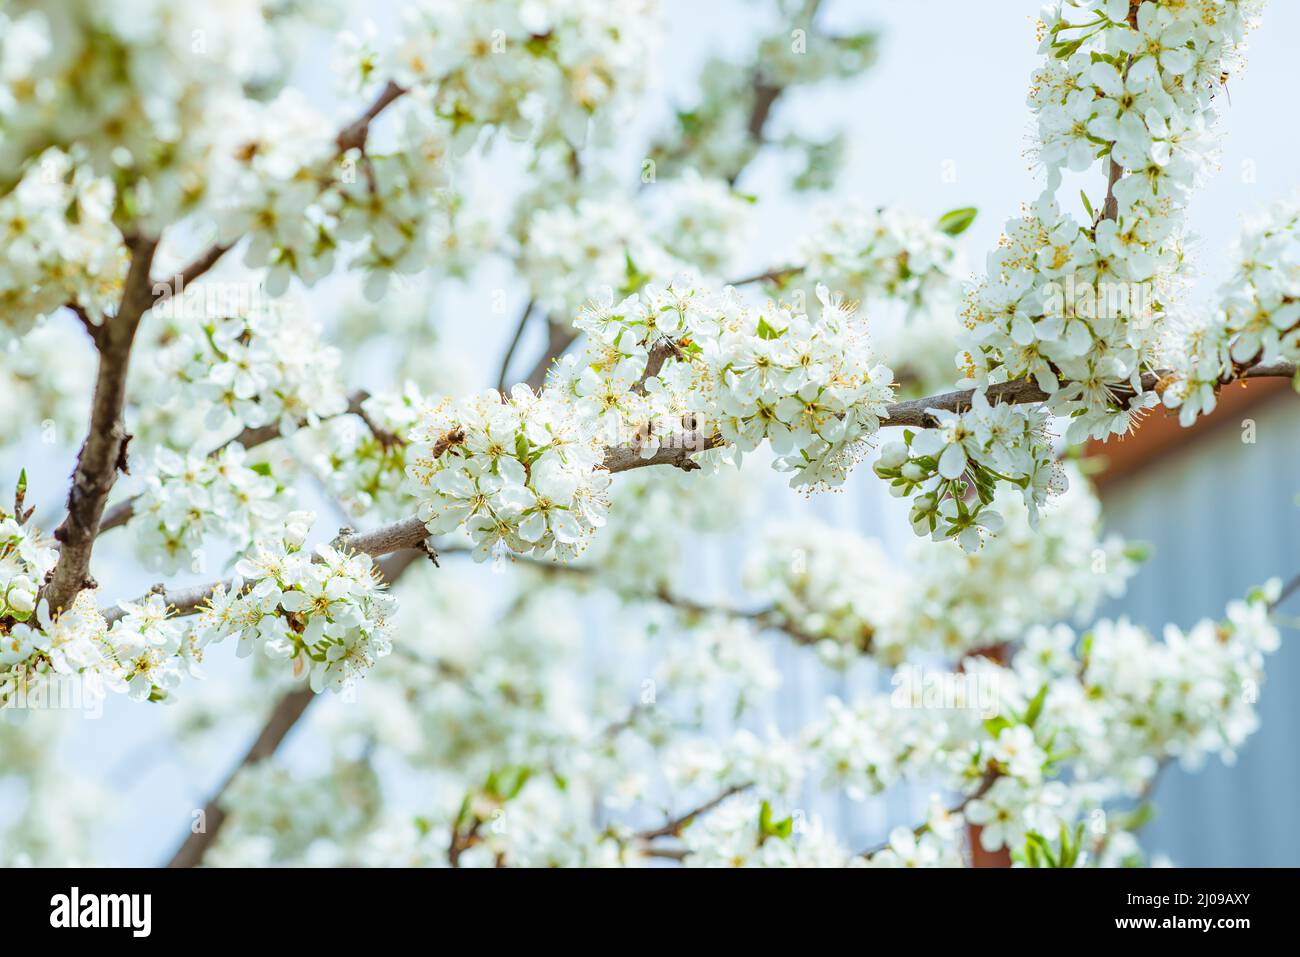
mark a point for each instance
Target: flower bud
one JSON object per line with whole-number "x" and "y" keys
{"x": 893, "y": 454}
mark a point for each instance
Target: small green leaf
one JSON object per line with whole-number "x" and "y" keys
{"x": 1043, "y": 846}
{"x": 994, "y": 726}
{"x": 769, "y": 828}
{"x": 1036, "y": 706}
{"x": 767, "y": 331}
{"x": 957, "y": 221}
{"x": 1137, "y": 551}
{"x": 636, "y": 279}
{"x": 261, "y": 468}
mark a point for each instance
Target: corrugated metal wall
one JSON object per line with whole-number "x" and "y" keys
{"x": 1222, "y": 516}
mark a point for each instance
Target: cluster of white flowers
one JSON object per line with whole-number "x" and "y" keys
{"x": 1186, "y": 697}
{"x": 144, "y": 653}
{"x": 392, "y": 207}
{"x": 61, "y": 247}
{"x": 365, "y": 470}
{"x": 25, "y": 557}
{"x": 906, "y": 272}
{"x": 521, "y": 475}
{"x": 811, "y": 388}
{"x": 187, "y": 498}
{"x": 1077, "y": 306}
{"x": 134, "y": 86}
{"x": 1062, "y": 569}
{"x": 969, "y": 452}
{"x": 840, "y": 590}
{"x": 868, "y": 254}
{"x": 329, "y": 613}
{"x": 713, "y": 134}
{"x": 568, "y": 253}
{"x": 278, "y": 178}
{"x": 538, "y": 69}
{"x": 45, "y": 379}
{"x": 1258, "y": 319}
{"x": 828, "y": 586}
{"x": 701, "y": 221}
{"x": 1111, "y": 708}
{"x": 250, "y": 362}
{"x": 603, "y": 238}
{"x": 744, "y": 832}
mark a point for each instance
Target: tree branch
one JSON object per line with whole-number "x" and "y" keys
{"x": 675, "y": 826}
{"x": 410, "y": 533}
{"x": 771, "y": 275}
{"x": 914, "y": 412}
{"x": 287, "y": 712}
{"x": 991, "y": 774}
{"x": 352, "y": 136}
{"x": 558, "y": 338}
{"x": 103, "y": 453}
{"x": 282, "y": 720}
{"x": 514, "y": 344}
{"x": 355, "y": 134}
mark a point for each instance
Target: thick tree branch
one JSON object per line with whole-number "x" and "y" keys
{"x": 103, "y": 453}
{"x": 287, "y": 712}
{"x": 283, "y": 717}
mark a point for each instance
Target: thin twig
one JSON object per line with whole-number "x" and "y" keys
{"x": 514, "y": 344}
{"x": 674, "y": 826}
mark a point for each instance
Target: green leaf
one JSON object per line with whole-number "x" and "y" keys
{"x": 769, "y": 828}
{"x": 1031, "y": 855}
{"x": 1087, "y": 205}
{"x": 262, "y": 468}
{"x": 1043, "y": 846}
{"x": 1137, "y": 551}
{"x": 1036, "y": 706}
{"x": 957, "y": 221}
{"x": 995, "y": 725}
{"x": 636, "y": 279}
{"x": 1068, "y": 851}
{"x": 766, "y": 331}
